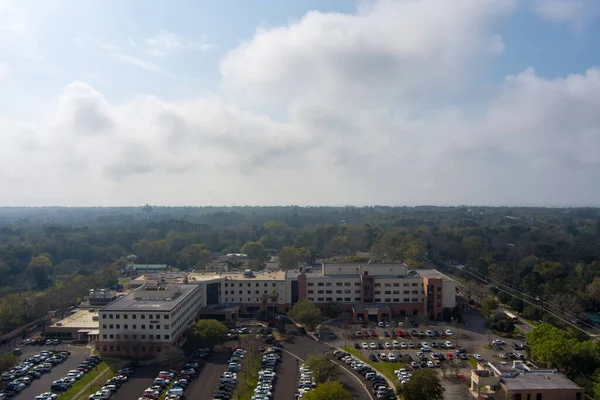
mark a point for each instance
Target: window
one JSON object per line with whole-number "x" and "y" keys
{"x": 103, "y": 315}
{"x": 143, "y": 326}
{"x": 406, "y": 299}
{"x": 158, "y": 336}
{"x": 112, "y": 326}
{"x": 118, "y": 316}
{"x": 112, "y": 336}
{"x": 134, "y": 336}
{"x": 124, "y": 316}
{"x": 387, "y": 300}
{"x": 257, "y": 284}
{"x": 415, "y": 299}
{"x": 328, "y": 284}
{"x": 396, "y": 300}
{"x": 396, "y": 284}
{"x": 226, "y": 292}
{"x": 150, "y": 326}
{"x": 328, "y": 291}
{"x": 406, "y": 284}
{"x": 356, "y": 283}
{"x": 387, "y": 292}
{"x": 103, "y": 326}
{"x": 328, "y": 299}
{"x": 347, "y": 284}
{"x": 110, "y": 316}
{"x": 104, "y": 336}
{"x": 134, "y": 316}
{"x": 143, "y": 336}
{"x": 357, "y": 299}
{"x": 347, "y": 299}
{"x": 415, "y": 292}
{"x": 415, "y": 284}
{"x": 396, "y": 292}
{"x": 320, "y": 299}
{"x": 338, "y": 284}
{"x": 249, "y": 291}
{"x": 166, "y": 326}
{"x": 377, "y": 300}
{"x": 118, "y": 326}
{"x": 347, "y": 291}
{"x": 226, "y": 284}
{"x": 338, "y": 291}
{"x": 310, "y": 291}
{"x": 320, "y": 284}
{"x": 151, "y": 336}
{"x": 378, "y": 285}
{"x": 378, "y": 292}
{"x": 143, "y": 316}
{"x": 166, "y": 336}
{"x": 388, "y": 285}
{"x": 320, "y": 291}
{"x": 338, "y": 299}
{"x": 274, "y": 285}
{"x": 310, "y": 284}
{"x": 257, "y": 292}
{"x": 407, "y": 292}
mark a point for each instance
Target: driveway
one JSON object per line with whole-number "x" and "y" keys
{"x": 207, "y": 382}
{"x": 42, "y": 385}
{"x": 143, "y": 378}
{"x": 305, "y": 347}
{"x": 287, "y": 378}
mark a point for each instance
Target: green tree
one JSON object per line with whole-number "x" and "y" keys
{"x": 193, "y": 255}
{"x": 289, "y": 257}
{"x": 39, "y": 268}
{"x": 7, "y": 361}
{"x": 489, "y": 305}
{"x": 322, "y": 368}
{"x": 328, "y": 391}
{"x": 306, "y": 313}
{"x": 208, "y": 332}
{"x": 423, "y": 385}
{"x": 254, "y": 250}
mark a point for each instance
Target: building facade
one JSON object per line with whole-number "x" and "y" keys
{"x": 150, "y": 320}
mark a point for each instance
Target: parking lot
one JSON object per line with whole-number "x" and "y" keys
{"x": 403, "y": 340}
{"x": 42, "y": 384}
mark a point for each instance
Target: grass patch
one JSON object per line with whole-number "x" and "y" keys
{"x": 384, "y": 367}
{"x": 90, "y": 376}
{"x": 473, "y": 363}
{"x": 248, "y": 375}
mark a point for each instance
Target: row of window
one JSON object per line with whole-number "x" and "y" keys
{"x": 311, "y": 291}
{"x": 249, "y": 292}
{"x": 358, "y": 299}
{"x": 274, "y": 284}
{"x": 134, "y": 337}
{"x": 125, "y": 326}
{"x": 405, "y": 284}
{"x": 134, "y": 316}
{"x": 134, "y": 349}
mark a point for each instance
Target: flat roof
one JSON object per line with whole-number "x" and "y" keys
{"x": 237, "y": 276}
{"x": 130, "y": 303}
{"x": 220, "y": 308}
{"x": 539, "y": 381}
{"x": 147, "y": 266}
{"x": 433, "y": 273}
{"x": 81, "y": 319}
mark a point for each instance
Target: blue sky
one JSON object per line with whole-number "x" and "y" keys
{"x": 119, "y": 96}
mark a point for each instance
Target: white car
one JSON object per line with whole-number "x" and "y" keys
{"x": 497, "y": 342}
{"x": 388, "y": 345}
{"x": 448, "y": 344}
{"x": 396, "y": 344}
{"x": 448, "y": 332}
{"x": 391, "y": 357}
{"x": 372, "y": 345}
{"x": 478, "y": 357}
{"x": 430, "y": 364}
{"x": 365, "y": 346}
{"x": 403, "y": 345}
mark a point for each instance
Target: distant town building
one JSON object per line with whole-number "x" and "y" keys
{"x": 101, "y": 297}
{"x": 140, "y": 269}
{"x": 147, "y": 212}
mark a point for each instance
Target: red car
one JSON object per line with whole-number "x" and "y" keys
{"x": 373, "y": 333}
{"x": 400, "y": 333}
{"x": 450, "y": 356}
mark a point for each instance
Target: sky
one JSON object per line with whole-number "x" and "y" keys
{"x": 312, "y": 102}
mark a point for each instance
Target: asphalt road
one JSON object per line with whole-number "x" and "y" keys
{"x": 143, "y": 378}
{"x": 287, "y": 378}
{"x": 304, "y": 347}
{"x": 42, "y": 385}
{"x": 207, "y": 382}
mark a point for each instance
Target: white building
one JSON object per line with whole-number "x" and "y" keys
{"x": 149, "y": 320}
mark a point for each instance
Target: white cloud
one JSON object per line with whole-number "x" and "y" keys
{"x": 128, "y": 59}
{"x": 356, "y": 124}
{"x": 576, "y": 13}
{"x": 4, "y": 71}
{"x": 166, "y": 43}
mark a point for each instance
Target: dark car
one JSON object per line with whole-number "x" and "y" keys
{"x": 372, "y": 357}
{"x": 356, "y": 346}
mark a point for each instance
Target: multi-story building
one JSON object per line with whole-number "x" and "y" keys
{"x": 150, "y": 320}
{"x": 519, "y": 382}
{"x": 375, "y": 291}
